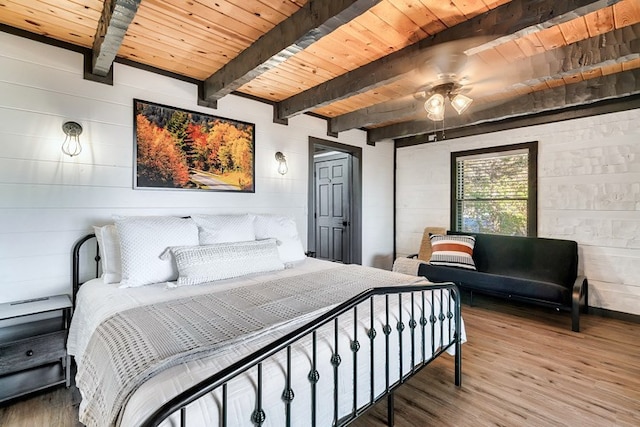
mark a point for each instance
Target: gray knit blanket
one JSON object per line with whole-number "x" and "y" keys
{"x": 133, "y": 345}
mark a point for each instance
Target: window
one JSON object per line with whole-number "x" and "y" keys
{"x": 494, "y": 190}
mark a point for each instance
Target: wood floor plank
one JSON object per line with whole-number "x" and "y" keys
{"x": 522, "y": 366}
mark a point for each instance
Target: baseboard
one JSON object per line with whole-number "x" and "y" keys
{"x": 618, "y": 315}
{"x": 593, "y": 311}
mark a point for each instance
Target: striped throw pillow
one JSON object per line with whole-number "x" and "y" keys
{"x": 453, "y": 251}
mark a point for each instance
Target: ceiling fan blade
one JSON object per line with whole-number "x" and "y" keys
{"x": 459, "y": 62}
{"x": 448, "y": 62}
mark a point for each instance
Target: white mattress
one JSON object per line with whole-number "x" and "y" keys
{"x": 97, "y": 301}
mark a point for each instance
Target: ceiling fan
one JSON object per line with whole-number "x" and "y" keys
{"x": 453, "y": 71}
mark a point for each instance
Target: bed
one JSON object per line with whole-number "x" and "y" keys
{"x": 248, "y": 332}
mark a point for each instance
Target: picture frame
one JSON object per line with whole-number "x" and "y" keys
{"x": 188, "y": 150}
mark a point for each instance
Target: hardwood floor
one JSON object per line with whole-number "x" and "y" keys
{"x": 522, "y": 366}
{"x": 55, "y": 408}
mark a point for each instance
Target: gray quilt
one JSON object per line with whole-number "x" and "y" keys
{"x": 134, "y": 345}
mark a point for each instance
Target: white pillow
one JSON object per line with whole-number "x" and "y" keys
{"x": 285, "y": 231}
{"x": 110, "y": 258}
{"x": 201, "y": 264}
{"x": 144, "y": 239}
{"x": 224, "y": 228}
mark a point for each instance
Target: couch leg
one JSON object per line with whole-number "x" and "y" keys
{"x": 579, "y": 301}
{"x": 470, "y": 298}
{"x": 585, "y": 309}
{"x": 575, "y": 312}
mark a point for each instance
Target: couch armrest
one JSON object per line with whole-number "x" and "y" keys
{"x": 579, "y": 299}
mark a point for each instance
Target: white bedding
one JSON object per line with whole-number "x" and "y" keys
{"x": 97, "y": 301}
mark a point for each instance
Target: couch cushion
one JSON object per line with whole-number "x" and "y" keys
{"x": 535, "y": 258}
{"x": 496, "y": 283}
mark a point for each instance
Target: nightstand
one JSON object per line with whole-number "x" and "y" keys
{"x": 33, "y": 353}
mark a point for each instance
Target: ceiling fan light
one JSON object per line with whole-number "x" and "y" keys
{"x": 436, "y": 117}
{"x": 461, "y": 102}
{"x": 435, "y": 104}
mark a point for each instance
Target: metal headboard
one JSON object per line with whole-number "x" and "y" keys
{"x": 75, "y": 263}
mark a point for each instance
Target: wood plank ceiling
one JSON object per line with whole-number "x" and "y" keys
{"x": 361, "y": 63}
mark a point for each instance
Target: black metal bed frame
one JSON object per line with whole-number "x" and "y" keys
{"x": 418, "y": 324}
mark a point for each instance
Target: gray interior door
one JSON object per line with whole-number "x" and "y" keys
{"x": 332, "y": 208}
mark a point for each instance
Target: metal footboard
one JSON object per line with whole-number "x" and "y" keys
{"x": 415, "y": 329}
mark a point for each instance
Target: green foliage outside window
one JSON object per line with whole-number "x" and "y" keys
{"x": 492, "y": 193}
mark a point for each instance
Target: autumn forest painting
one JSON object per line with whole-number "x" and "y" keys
{"x": 190, "y": 150}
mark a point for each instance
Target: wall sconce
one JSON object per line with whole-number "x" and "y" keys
{"x": 282, "y": 163}
{"x": 71, "y": 145}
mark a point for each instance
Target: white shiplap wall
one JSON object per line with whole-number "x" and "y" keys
{"x": 588, "y": 191}
{"x": 48, "y": 200}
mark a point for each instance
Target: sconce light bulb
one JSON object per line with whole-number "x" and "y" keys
{"x": 282, "y": 168}
{"x": 282, "y": 163}
{"x": 71, "y": 145}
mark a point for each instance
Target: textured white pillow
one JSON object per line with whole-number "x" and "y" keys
{"x": 144, "y": 239}
{"x": 201, "y": 264}
{"x": 283, "y": 229}
{"x": 224, "y": 228}
{"x": 110, "y": 259}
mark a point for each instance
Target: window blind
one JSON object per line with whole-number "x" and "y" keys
{"x": 492, "y": 193}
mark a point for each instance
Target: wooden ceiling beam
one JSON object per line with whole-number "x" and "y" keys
{"x": 606, "y": 106}
{"x": 513, "y": 17}
{"x": 309, "y": 24}
{"x": 586, "y": 56}
{"x": 397, "y": 109}
{"x": 584, "y": 92}
{"x": 617, "y": 46}
{"x": 116, "y": 17}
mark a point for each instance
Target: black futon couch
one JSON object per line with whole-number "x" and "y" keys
{"x": 537, "y": 270}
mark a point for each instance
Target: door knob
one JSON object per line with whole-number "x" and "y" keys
{"x": 346, "y": 223}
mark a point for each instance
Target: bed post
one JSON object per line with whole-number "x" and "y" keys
{"x": 75, "y": 265}
{"x": 458, "y": 317}
{"x": 390, "y": 410}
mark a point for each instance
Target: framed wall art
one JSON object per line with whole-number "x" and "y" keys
{"x": 181, "y": 149}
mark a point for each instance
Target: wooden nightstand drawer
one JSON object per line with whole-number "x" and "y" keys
{"x": 28, "y": 353}
{"x": 32, "y": 346}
